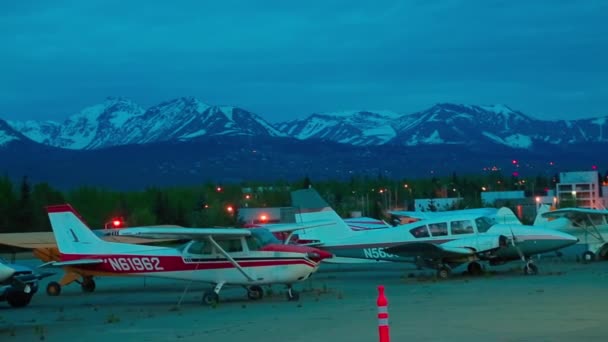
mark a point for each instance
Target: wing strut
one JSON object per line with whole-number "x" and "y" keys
{"x": 236, "y": 264}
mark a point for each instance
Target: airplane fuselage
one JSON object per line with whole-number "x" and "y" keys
{"x": 372, "y": 245}
{"x": 263, "y": 266}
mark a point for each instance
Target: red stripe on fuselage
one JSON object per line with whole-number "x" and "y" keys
{"x": 153, "y": 264}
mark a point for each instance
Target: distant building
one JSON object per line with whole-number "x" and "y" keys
{"x": 580, "y": 189}
{"x": 267, "y": 215}
{"x": 491, "y": 197}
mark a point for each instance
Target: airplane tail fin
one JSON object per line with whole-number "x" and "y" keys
{"x": 313, "y": 207}
{"x": 539, "y": 220}
{"x": 72, "y": 235}
{"x": 506, "y": 216}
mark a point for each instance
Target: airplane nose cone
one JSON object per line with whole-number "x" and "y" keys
{"x": 319, "y": 254}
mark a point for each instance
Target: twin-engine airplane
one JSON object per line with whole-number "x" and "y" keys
{"x": 441, "y": 242}
{"x": 18, "y": 283}
{"x": 244, "y": 257}
{"x": 589, "y": 225}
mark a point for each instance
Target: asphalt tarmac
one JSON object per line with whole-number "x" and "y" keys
{"x": 566, "y": 301}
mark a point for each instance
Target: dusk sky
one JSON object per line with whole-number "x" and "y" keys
{"x": 286, "y": 59}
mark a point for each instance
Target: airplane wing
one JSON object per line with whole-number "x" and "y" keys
{"x": 292, "y": 227}
{"x": 457, "y": 248}
{"x": 428, "y": 250}
{"x": 574, "y": 213}
{"x": 35, "y": 240}
{"x": 183, "y": 233}
{"x": 30, "y": 240}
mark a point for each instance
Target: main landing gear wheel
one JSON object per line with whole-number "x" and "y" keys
{"x": 443, "y": 272}
{"x": 88, "y": 284}
{"x": 530, "y": 269}
{"x": 18, "y": 299}
{"x": 292, "y": 296}
{"x": 588, "y": 257}
{"x": 474, "y": 268}
{"x": 211, "y": 298}
{"x": 53, "y": 288}
{"x": 255, "y": 292}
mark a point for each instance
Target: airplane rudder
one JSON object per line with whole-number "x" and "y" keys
{"x": 68, "y": 227}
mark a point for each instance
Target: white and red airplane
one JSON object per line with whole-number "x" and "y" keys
{"x": 220, "y": 256}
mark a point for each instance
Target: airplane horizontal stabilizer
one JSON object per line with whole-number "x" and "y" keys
{"x": 79, "y": 262}
{"x": 292, "y": 227}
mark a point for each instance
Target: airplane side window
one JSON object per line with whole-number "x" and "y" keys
{"x": 419, "y": 232}
{"x": 439, "y": 229}
{"x": 253, "y": 243}
{"x": 231, "y": 245}
{"x": 462, "y": 227}
{"x": 196, "y": 247}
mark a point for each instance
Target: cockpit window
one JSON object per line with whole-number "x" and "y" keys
{"x": 420, "y": 232}
{"x": 483, "y": 224}
{"x": 264, "y": 236}
{"x": 462, "y": 227}
{"x": 438, "y": 229}
{"x": 200, "y": 247}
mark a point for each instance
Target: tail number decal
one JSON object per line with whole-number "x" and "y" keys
{"x": 377, "y": 253}
{"x": 136, "y": 264}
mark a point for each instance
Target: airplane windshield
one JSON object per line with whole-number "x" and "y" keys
{"x": 264, "y": 236}
{"x": 483, "y": 224}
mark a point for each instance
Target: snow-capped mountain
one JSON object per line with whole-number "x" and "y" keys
{"x": 498, "y": 124}
{"x": 8, "y": 134}
{"x": 119, "y": 121}
{"x": 359, "y": 128}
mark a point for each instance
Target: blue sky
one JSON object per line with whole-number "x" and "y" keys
{"x": 285, "y": 59}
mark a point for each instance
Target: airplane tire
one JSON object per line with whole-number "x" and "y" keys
{"x": 293, "y": 296}
{"x": 588, "y": 257}
{"x": 88, "y": 284}
{"x": 53, "y": 289}
{"x": 255, "y": 292}
{"x": 530, "y": 269}
{"x": 443, "y": 272}
{"x": 474, "y": 268}
{"x": 210, "y": 298}
{"x": 18, "y": 299}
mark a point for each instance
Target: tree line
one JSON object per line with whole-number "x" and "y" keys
{"x": 211, "y": 204}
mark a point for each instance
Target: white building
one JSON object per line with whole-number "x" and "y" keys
{"x": 579, "y": 189}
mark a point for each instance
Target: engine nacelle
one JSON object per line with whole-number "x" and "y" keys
{"x": 480, "y": 243}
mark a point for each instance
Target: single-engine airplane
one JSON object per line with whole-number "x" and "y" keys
{"x": 220, "y": 256}
{"x": 589, "y": 225}
{"x": 441, "y": 242}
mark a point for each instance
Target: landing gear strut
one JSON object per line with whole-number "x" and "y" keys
{"x": 292, "y": 295}
{"x": 530, "y": 268}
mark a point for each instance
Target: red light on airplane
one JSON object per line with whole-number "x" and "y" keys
{"x": 263, "y": 218}
{"x": 116, "y": 223}
{"x": 229, "y": 208}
